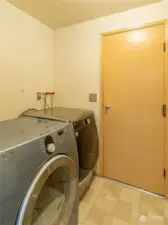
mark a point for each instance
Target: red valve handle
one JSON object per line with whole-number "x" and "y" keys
{"x": 49, "y": 93}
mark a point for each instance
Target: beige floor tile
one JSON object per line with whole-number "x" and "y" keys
{"x": 123, "y": 210}
{"x": 155, "y": 216}
{"x": 111, "y": 203}
{"x": 97, "y": 183}
{"x": 166, "y": 209}
{"x": 153, "y": 222}
{"x": 86, "y": 204}
{"x": 105, "y": 204}
{"x": 135, "y": 213}
{"x": 152, "y": 201}
{"x": 112, "y": 188}
{"x": 89, "y": 222}
{"x": 130, "y": 195}
{"x": 107, "y": 195}
{"x": 159, "y": 203}
{"x": 90, "y": 196}
{"x": 147, "y": 199}
{"x": 83, "y": 212}
{"x": 145, "y": 208}
{"x": 117, "y": 221}
{"x": 96, "y": 216}
{"x": 108, "y": 219}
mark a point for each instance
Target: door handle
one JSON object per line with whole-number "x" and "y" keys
{"x": 107, "y": 107}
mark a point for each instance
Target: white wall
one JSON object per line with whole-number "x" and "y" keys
{"x": 77, "y": 53}
{"x": 26, "y": 60}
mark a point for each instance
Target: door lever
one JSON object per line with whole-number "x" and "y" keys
{"x": 107, "y": 107}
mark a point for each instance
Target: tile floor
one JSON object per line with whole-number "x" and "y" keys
{"x": 110, "y": 203}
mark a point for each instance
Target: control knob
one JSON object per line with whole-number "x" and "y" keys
{"x": 50, "y": 145}
{"x": 50, "y": 148}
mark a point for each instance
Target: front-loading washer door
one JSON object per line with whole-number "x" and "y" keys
{"x": 51, "y": 196}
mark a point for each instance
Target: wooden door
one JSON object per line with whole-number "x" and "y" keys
{"x": 133, "y": 93}
{"x": 166, "y": 100}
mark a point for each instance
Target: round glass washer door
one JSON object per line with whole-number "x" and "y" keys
{"x": 51, "y": 196}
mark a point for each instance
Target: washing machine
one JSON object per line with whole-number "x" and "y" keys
{"x": 38, "y": 173}
{"x": 85, "y": 130}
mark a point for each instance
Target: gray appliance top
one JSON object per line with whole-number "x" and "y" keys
{"x": 19, "y": 131}
{"x": 67, "y": 114}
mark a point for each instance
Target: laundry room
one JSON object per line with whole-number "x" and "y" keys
{"x": 83, "y": 119}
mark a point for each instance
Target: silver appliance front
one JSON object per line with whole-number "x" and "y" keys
{"x": 51, "y": 195}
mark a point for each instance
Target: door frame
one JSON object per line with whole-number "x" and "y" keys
{"x": 101, "y": 140}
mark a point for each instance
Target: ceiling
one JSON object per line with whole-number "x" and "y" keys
{"x": 59, "y": 13}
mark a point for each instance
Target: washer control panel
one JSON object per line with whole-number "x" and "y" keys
{"x": 49, "y": 144}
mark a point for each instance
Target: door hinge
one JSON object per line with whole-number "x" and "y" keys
{"x": 164, "y": 110}
{"x": 164, "y": 46}
{"x": 164, "y": 173}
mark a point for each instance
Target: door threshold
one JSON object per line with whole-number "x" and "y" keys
{"x": 136, "y": 188}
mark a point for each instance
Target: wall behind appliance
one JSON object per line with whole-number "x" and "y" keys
{"x": 77, "y": 53}
{"x": 26, "y": 61}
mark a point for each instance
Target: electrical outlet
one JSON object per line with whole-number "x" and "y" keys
{"x": 92, "y": 97}
{"x": 38, "y": 94}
